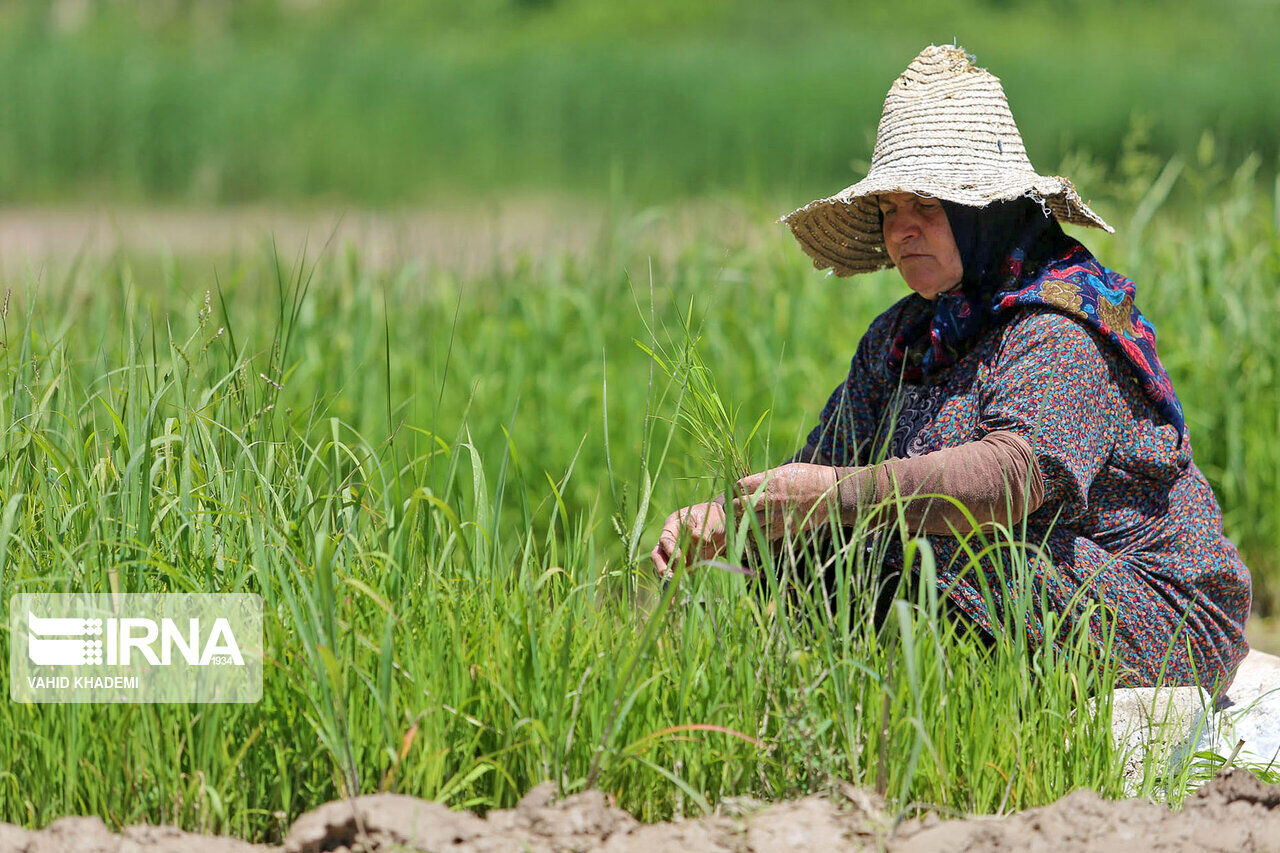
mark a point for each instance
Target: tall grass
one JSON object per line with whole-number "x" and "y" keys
{"x": 418, "y": 475}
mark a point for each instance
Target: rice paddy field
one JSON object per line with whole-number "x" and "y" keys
{"x": 444, "y": 480}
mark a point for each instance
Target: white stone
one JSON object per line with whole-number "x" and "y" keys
{"x": 1160, "y": 729}
{"x": 1152, "y": 727}
{"x": 1250, "y": 712}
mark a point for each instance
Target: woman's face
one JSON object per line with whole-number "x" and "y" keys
{"x": 918, "y": 238}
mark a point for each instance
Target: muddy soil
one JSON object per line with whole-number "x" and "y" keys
{"x": 1235, "y": 812}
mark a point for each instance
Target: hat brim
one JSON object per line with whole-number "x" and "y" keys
{"x": 842, "y": 232}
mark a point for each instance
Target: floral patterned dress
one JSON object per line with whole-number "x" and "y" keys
{"x": 1128, "y": 520}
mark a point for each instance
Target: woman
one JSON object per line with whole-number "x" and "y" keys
{"x": 1019, "y": 380}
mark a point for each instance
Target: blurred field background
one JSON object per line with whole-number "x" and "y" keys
{"x": 212, "y": 101}
{"x": 356, "y": 305}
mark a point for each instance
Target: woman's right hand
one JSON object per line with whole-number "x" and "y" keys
{"x": 702, "y": 526}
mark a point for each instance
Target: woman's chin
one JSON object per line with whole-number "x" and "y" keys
{"x": 929, "y": 289}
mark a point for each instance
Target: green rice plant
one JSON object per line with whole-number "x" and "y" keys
{"x": 413, "y": 470}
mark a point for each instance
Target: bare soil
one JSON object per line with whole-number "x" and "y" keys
{"x": 1235, "y": 812}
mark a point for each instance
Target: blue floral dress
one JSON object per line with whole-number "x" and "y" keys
{"x": 1128, "y": 520}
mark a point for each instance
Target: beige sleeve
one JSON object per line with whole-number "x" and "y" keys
{"x": 997, "y": 479}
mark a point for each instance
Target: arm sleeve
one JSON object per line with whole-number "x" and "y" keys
{"x": 996, "y": 479}
{"x": 1045, "y": 426}
{"x": 1051, "y": 386}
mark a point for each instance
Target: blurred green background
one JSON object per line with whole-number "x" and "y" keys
{"x": 210, "y": 101}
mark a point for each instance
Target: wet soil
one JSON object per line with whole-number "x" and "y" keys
{"x": 1235, "y": 812}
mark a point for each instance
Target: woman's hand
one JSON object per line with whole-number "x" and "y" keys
{"x": 787, "y": 501}
{"x": 703, "y": 524}
{"x": 786, "y": 496}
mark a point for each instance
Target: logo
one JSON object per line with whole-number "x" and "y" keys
{"x": 47, "y": 644}
{"x": 123, "y": 640}
{"x": 155, "y": 647}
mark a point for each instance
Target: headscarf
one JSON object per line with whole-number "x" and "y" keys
{"x": 1015, "y": 255}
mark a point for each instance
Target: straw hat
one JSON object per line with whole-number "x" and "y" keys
{"x": 946, "y": 131}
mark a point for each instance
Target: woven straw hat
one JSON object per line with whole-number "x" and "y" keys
{"x": 947, "y": 132}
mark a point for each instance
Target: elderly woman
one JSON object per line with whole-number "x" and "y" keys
{"x": 1019, "y": 380}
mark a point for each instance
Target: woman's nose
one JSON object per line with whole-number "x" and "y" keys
{"x": 902, "y": 227}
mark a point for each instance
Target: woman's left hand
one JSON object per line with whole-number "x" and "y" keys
{"x": 786, "y": 496}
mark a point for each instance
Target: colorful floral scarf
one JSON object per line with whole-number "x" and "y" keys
{"x": 1045, "y": 269}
